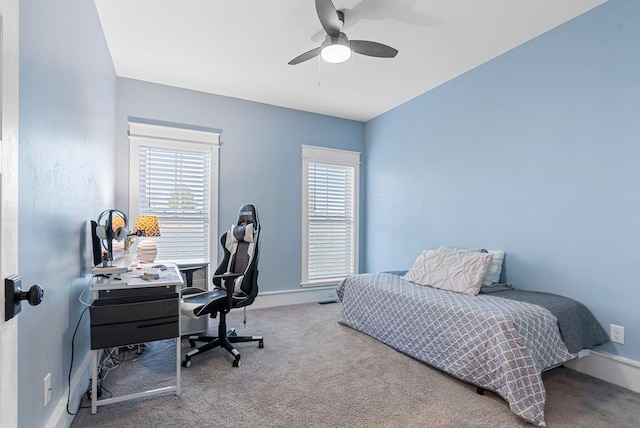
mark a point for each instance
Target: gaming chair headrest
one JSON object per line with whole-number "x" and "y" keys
{"x": 241, "y": 233}
{"x": 248, "y": 214}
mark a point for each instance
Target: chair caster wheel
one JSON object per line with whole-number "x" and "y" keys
{"x": 186, "y": 363}
{"x": 261, "y": 344}
{"x": 192, "y": 344}
{"x": 236, "y": 362}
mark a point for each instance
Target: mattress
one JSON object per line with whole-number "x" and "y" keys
{"x": 502, "y": 345}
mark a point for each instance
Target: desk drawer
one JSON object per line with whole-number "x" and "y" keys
{"x": 123, "y": 321}
{"x": 147, "y": 292}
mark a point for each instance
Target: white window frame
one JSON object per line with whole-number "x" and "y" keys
{"x": 172, "y": 137}
{"x": 313, "y": 154}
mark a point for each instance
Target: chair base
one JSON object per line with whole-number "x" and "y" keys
{"x": 224, "y": 340}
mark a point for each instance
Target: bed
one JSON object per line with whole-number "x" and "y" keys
{"x": 500, "y": 341}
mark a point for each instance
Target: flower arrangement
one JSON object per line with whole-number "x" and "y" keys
{"x": 128, "y": 242}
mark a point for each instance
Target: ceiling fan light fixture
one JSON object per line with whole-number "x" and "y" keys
{"x": 336, "y": 47}
{"x": 335, "y": 53}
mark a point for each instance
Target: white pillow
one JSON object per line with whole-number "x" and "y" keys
{"x": 495, "y": 268}
{"x": 457, "y": 271}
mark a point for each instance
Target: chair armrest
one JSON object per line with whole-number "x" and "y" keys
{"x": 228, "y": 278}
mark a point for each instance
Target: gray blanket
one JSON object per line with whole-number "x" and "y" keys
{"x": 502, "y": 345}
{"x": 577, "y": 324}
{"x": 579, "y": 328}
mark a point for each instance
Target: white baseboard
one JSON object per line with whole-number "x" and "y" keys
{"x": 611, "y": 368}
{"x": 79, "y": 383}
{"x": 271, "y": 299}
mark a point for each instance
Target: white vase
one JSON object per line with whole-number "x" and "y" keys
{"x": 147, "y": 251}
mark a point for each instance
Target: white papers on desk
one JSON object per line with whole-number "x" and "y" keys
{"x": 107, "y": 270}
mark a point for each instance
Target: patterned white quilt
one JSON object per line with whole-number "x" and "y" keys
{"x": 498, "y": 344}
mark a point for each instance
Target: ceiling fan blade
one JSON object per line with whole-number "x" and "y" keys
{"x": 328, "y": 16}
{"x": 365, "y": 47}
{"x": 305, "y": 56}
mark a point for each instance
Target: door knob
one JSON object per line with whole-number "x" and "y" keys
{"x": 13, "y": 295}
{"x": 33, "y": 296}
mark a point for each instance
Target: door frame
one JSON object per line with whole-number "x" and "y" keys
{"x": 9, "y": 58}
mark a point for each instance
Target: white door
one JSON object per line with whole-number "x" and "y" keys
{"x": 9, "y": 23}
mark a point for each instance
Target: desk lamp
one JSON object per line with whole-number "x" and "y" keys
{"x": 147, "y": 249}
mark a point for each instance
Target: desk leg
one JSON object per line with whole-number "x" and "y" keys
{"x": 178, "y": 365}
{"x": 94, "y": 382}
{"x": 178, "y": 345}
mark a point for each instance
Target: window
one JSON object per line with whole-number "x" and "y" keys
{"x": 174, "y": 176}
{"x": 329, "y": 215}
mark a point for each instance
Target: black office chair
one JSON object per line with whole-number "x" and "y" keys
{"x": 236, "y": 286}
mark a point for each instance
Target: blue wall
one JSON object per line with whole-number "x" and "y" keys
{"x": 260, "y": 161}
{"x": 535, "y": 153}
{"x": 67, "y": 102}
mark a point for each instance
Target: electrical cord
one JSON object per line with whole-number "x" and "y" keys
{"x": 71, "y": 365}
{"x": 169, "y": 344}
{"x": 82, "y": 294}
{"x": 108, "y": 362}
{"x": 73, "y": 338}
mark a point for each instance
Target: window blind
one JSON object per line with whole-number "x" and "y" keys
{"x": 174, "y": 185}
{"x": 331, "y": 221}
{"x": 174, "y": 176}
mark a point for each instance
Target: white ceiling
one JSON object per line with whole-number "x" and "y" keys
{"x": 240, "y": 48}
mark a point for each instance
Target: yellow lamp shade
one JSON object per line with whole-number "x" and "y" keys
{"x": 147, "y": 250}
{"x": 148, "y": 224}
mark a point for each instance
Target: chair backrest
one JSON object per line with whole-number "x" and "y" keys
{"x": 241, "y": 245}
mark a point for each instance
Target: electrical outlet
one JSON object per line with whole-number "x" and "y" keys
{"x": 616, "y": 333}
{"x": 47, "y": 388}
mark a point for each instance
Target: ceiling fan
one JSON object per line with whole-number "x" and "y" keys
{"x": 336, "y": 47}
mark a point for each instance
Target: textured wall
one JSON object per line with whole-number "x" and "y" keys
{"x": 260, "y": 161}
{"x": 67, "y": 90}
{"x": 535, "y": 153}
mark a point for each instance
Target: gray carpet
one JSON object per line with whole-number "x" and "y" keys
{"x": 314, "y": 372}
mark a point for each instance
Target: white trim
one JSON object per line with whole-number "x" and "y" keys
{"x": 79, "y": 384}
{"x": 617, "y": 370}
{"x": 334, "y": 156}
{"x": 9, "y": 177}
{"x": 611, "y": 368}
{"x": 272, "y": 299}
{"x": 321, "y": 282}
{"x": 145, "y": 130}
{"x": 167, "y": 136}
{"x": 311, "y": 154}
